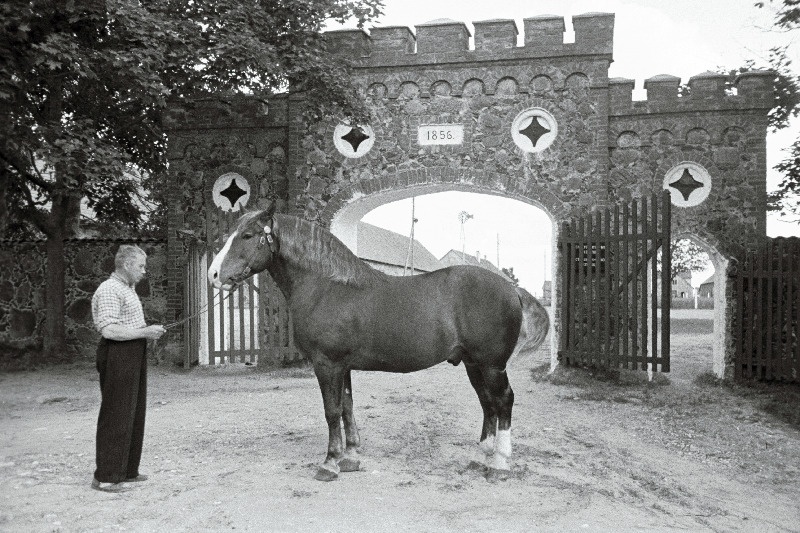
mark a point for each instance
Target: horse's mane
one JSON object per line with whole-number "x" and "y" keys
{"x": 314, "y": 248}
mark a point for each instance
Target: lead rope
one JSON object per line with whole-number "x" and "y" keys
{"x": 203, "y": 309}
{"x": 266, "y": 238}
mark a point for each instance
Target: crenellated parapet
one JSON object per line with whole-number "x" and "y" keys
{"x": 447, "y": 41}
{"x": 706, "y": 92}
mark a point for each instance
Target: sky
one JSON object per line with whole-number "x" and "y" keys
{"x": 678, "y": 37}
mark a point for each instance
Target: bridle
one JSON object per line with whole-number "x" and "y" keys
{"x": 268, "y": 239}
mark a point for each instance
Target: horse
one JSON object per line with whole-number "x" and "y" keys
{"x": 348, "y": 316}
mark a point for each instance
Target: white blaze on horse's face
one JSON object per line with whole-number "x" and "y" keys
{"x": 215, "y": 270}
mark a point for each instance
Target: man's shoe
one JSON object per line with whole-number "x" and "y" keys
{"x": 140, "y": 477}
{"x": 109, "y": 487}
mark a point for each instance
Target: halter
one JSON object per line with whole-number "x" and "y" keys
{"x": 267, "y": 237}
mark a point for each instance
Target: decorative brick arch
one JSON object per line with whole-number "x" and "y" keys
{"x": 440, "y": 179}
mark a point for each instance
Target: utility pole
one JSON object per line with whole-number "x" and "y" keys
{"x": 463, "y": 216}
{"x": 498, "y": 250}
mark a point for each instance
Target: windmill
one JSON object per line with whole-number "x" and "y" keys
{"x": 410, "y": 254}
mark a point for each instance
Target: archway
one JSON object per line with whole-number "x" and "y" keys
{"x": 701, "y": 325}
{"x": 503, "y": 233}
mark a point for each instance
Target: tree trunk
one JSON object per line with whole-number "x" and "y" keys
{"x": 54, "y": 334}
{"x": 62, "y": 221}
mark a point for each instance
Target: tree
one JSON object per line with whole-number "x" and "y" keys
{"x": 687, "y": 257}
{"x": 510, "y": 273}
{"x": 83, "y": 84}
{"x": 787, "y": 105}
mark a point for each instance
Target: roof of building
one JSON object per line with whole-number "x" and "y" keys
{"x": 454, "y": 257}
{"x": 710, "y": 280}
{"x": 390, "y": 248}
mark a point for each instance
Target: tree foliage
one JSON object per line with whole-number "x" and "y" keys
{"x": 510, "y": 273}
{"x": 786, "y": 198}
{"x": 687, "y": 257}
{"x": 83, "y": 84}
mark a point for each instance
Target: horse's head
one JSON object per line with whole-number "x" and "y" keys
{"x": 247, "y": 251}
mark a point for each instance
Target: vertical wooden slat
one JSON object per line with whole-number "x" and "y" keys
{"x": 601, "y": 358}
{"x": 787, "y": 320}
{"x": 666, "y": 276}
{"x": 769, "y": 353}
{"x": 643, "y": 273}
{"x": 616, "y": 277}
{"x": 750, "y": 313}
{"x": 253, "y": 318}
{"x": 608, "y": 293}
{"x": 625, "y": 285}
{"x": 582, "y": 312}
{"x": 634, "y": 310}
{"x": 740, "y": 323}
{"x": 780, "y": 284}
{"x": 590, "y": 310}
{"x": 794, "y": 332}
{"x": 654, "y": 242}
{"x": 759, "y": 305}
{"x": 565, "y": 249}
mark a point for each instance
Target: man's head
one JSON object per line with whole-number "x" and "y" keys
{"x": 130, "y": 263}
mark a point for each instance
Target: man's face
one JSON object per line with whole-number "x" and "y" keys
{"x": 135, "y": 268}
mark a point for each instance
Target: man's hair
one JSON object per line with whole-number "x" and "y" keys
{"x": 127, "y": 252}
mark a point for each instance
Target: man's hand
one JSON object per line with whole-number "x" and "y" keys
{"x": 155, "y": 331}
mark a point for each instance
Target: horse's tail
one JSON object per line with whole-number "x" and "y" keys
{"x": 535, "y": 324}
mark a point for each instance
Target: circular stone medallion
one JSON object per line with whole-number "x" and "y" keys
{"x": 231, "y": 192}
{"x": 353, "y": 141}
{"x": 688, "y": 183}
{"x": 534, "y": 130}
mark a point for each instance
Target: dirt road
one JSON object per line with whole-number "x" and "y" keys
{"x": 234, "y": 449}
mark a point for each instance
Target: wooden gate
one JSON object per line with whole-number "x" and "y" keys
{"x": 251, "y": 322}
{"x": 768, "y": 312}
{"x": 611, "y": 287}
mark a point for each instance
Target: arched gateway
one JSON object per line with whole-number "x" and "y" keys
{"x": 541, "y": 123}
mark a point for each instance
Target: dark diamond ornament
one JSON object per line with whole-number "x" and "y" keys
{"x": 534, "y": 131}
{"x": 355, "y": 137}
{"x": 686, "y": 185}
{"x": 233, "y": 192}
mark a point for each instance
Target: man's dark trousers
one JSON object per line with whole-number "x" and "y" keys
{"x": 120, "y": 426}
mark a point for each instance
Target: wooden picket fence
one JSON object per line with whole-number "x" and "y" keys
{"x": 768, "y": 312}
{"x": 609, "y": 289}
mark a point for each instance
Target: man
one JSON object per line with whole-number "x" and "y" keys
{"x": 122, "y": 364}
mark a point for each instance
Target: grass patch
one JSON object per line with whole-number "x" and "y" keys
{"x": 591, "y": 377}
{"x": 603, "y": 384}
{"x": 780, "y": 400}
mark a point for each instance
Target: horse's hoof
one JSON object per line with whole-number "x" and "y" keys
{"x": 348, "y": 464}
{"x": 325, "y": 474}
{"x": 494, "y": 474}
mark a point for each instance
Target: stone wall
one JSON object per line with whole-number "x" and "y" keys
{"x": 88, "y": 263}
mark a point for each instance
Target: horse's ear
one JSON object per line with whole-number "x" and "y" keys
{"x": 266, "y": 215}
{"x": 270, "y": 211}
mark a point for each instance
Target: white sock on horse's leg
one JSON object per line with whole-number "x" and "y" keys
{"x": 502, "y": 450}
{"x": 487, "y": 446}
